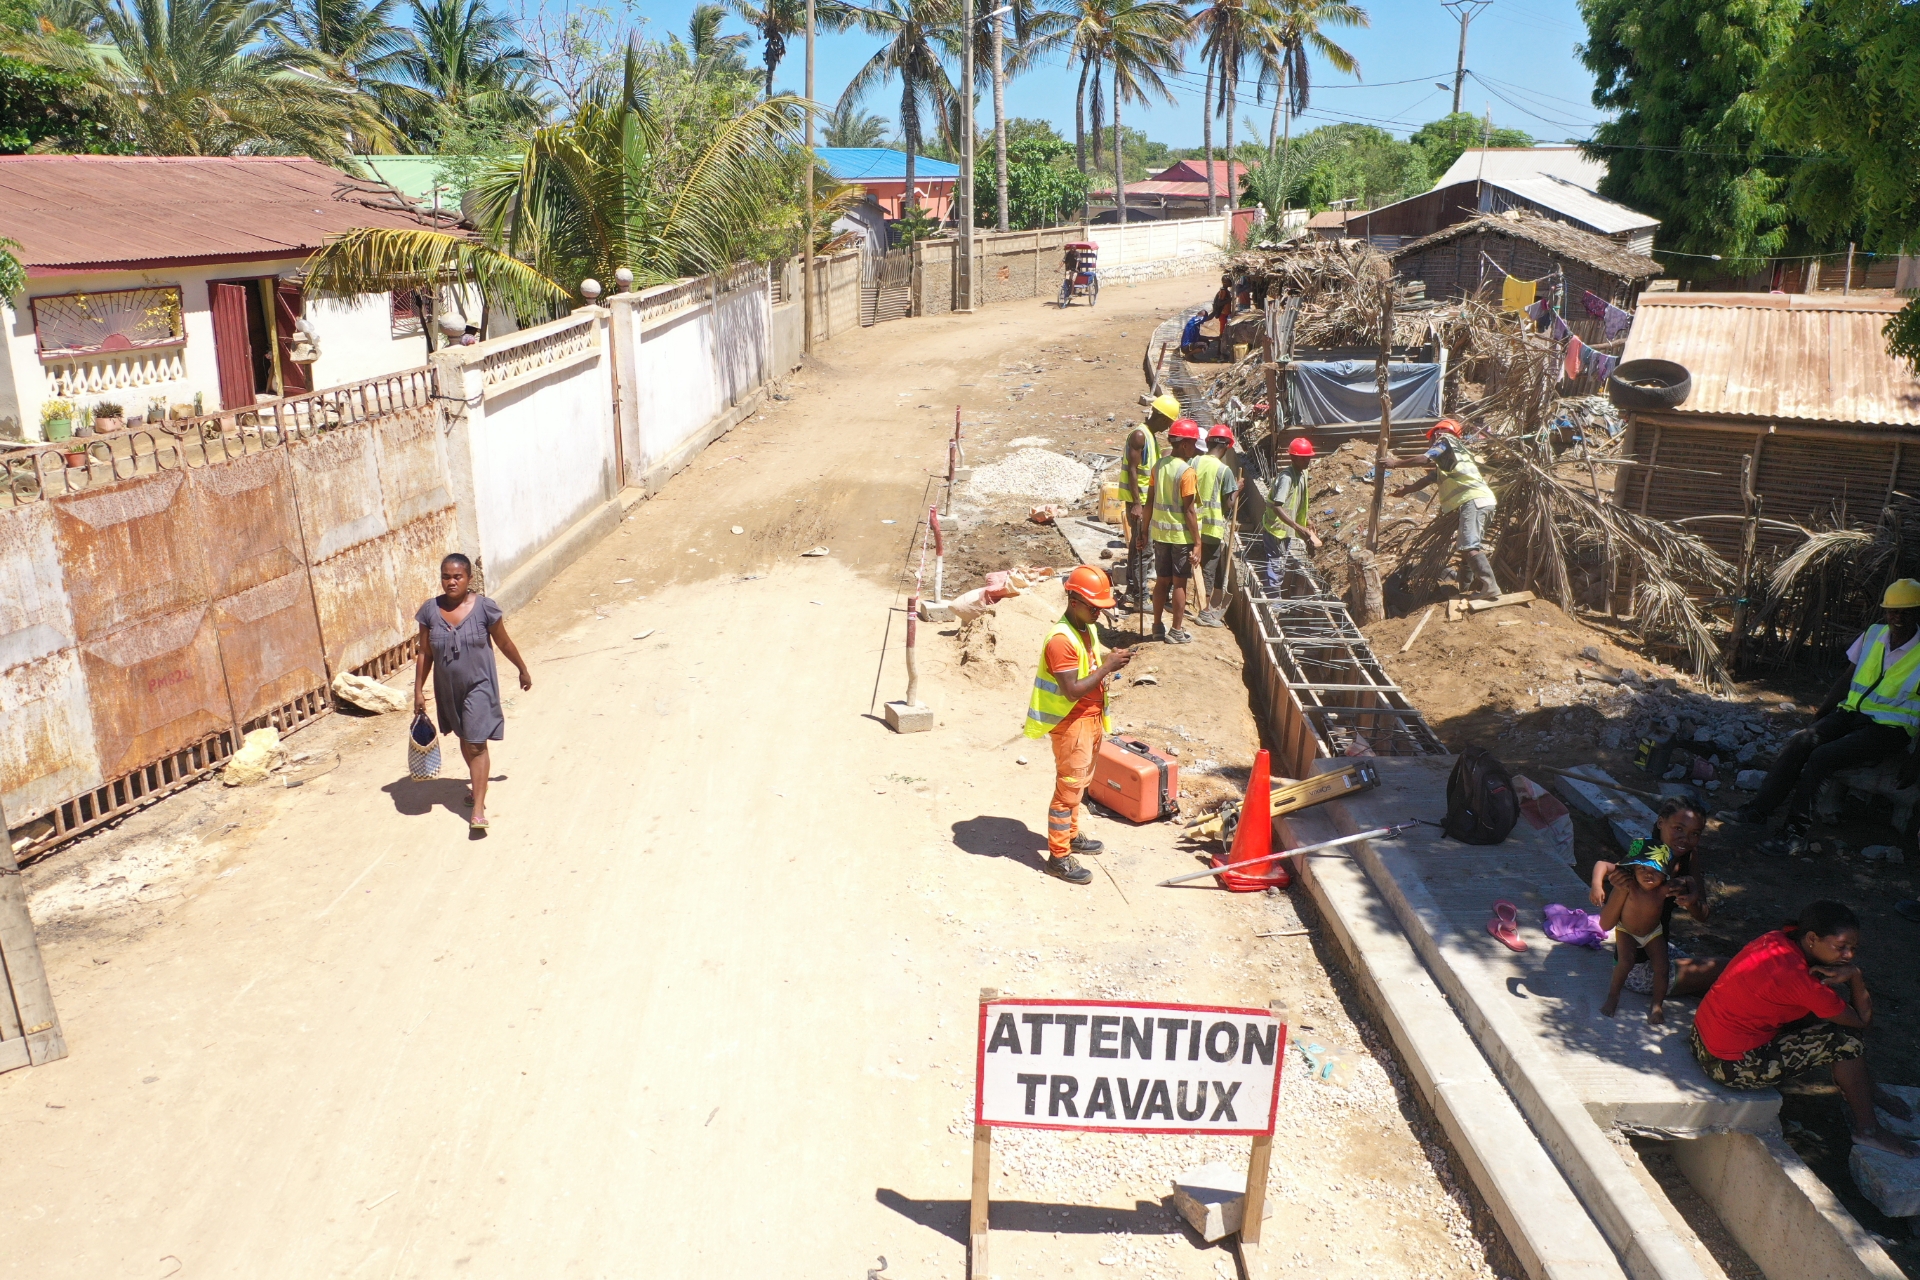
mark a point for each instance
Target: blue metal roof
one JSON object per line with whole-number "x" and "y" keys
{"x": 880, "y": 164}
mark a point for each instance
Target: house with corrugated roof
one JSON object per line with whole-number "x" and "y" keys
{"x": 883, "y": 172}
{"x": 1560, "y": 183}
{"x": 1179, "y": 190}
{"x": 1801, "y": 383}
{"x": 155, "y": 281}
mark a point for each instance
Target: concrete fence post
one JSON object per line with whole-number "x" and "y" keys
{"x": 623, "y": 335}
{"x": 460, "y": 410}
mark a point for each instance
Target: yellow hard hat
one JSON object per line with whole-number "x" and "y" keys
{"x": 1167, "y": 407}
{"x": 1904, "y": 594}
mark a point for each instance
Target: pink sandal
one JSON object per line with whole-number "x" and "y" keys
{"x": 1505, "y": 926}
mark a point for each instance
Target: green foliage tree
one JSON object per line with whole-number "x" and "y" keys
{"x": 915, "y": 33}
{"x": 464, "y": 59}
{"x": 1043, "y": 185}
{"x": 1686, "y": 143}
{"x": 356, "y": 46}
{"x": 1444, "y": 139}
{"x": 1354, "y": 162}
{"x": 849, "y": 126}
{"x": 1231, "y": 33}
{"x": 13, "y": 276}
{"x": 778, "y": 22}
{"x": 1291, "y": 34}
{"x": 200, "y": 77}
{"x": 1138, "y": 44}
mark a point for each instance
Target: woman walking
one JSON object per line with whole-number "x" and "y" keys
{"x": 458, "y": 630}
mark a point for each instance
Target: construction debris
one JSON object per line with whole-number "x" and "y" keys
{"x": 368, "y": 694}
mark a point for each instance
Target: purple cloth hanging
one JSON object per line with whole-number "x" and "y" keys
{"x": 1604, "y": 365}
{"x": 1618, "y": 321}
{"x": 1596, "y": 305}
{"x": 1573, "y": 926}
{"x": 1559, "y": 328}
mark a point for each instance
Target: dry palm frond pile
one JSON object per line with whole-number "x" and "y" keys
{"x": 1816, "y": 595}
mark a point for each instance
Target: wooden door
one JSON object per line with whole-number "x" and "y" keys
{"x": 232, "y": 350}
{"x": 288, "y": 306}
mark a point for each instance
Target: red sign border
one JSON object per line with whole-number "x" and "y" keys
{"x": 980, "y": 1068}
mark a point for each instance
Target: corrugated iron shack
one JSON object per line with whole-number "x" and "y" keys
{"x": 1802, "y": 382}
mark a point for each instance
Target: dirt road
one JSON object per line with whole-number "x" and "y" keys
{"x": 703, "y": 1002}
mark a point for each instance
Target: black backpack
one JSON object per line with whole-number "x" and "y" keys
{"x": 1481, "y": 804}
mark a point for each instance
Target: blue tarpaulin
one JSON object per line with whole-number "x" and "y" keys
{"x": 1328, "y": 391}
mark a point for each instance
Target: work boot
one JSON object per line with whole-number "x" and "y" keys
{"x": 1069, "y": 870}
{"x": 1486, "y": 586}
{"x": 1086, "y": 844}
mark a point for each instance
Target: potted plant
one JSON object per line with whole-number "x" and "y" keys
{"x": 157, "y": 409}
{"x": 108, "y": 416}
{"x": 56, "y": 420}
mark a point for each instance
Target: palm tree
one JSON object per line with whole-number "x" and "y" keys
{"x": 916, "y": 32}
{"x": 206, "y": 77}
{"x": 1037, "y": 30}
{"x": 779, "y": 21}
{"x": 851, "y": 127}
{"x": 352, "y": 43}
{"x": 623, "y": 183}
{"x": 466, "y": 60}
{"x": 1230, "y": 32}
{"x": 705, "y": 50}
{"x": 1137, "y": 41}
{"x": 1293, "y": 32}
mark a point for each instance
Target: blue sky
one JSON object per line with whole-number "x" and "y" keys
{"x": 1524, "y": 50}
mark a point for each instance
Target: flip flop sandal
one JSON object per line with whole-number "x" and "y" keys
{"x": 1505, "y": 925}
{"x": 479, "y": 825}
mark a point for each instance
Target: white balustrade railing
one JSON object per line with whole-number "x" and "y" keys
{"x": 69, "y": 376}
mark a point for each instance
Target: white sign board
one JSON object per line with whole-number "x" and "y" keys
{"x": 1124, "y": 1066}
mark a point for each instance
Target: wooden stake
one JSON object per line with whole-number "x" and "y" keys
{"x": 1419, "y": 627}
{"x": 1253, "y": 1210}
{"x": 982, "y": 1183}
{"x": 1384, "y": 449}
{"x": 20, "y": 967}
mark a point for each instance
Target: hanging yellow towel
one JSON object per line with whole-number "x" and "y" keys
{"x": 1516, "y": 295}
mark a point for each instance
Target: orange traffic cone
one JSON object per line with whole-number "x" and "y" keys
{"x": 1254, "y": 836}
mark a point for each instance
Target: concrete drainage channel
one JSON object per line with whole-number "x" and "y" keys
{"x": 1527, "y": 1106}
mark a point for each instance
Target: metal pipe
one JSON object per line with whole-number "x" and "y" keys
{"x": 1288, "y": 853}
{"x": 913, "y": 671}
{"x": 939, "y": 555}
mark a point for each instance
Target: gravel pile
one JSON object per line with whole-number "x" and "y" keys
{"x": 1035, "y": 473}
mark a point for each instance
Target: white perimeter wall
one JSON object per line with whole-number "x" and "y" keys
{"x": 533, "y": 453}
{"x": 356, "y": 342}
{"x": 1139, "y": 242}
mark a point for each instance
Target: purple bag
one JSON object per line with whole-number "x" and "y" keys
{"x": 1574, "y": 926}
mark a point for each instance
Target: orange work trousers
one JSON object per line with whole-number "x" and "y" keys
{"x": 1074, "y": 742}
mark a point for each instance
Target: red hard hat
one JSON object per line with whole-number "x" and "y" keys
{"x": 1447, "y": 425}
{"x": 1091, "y": 585}
{"x": 1300, "y": 447}
{"x": 1185, "y": 429}
{"x": 1221, "y": 433}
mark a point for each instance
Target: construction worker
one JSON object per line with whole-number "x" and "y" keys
{"x": 1069, "y": 704}
{"x": 1463, "y": 491}
{"x": 1286, "y": 517}
{"x": 1173, "y": 523}
{"x": 1870, "y": 714}
{"x": 1136, "y": 480}
{"x": 1214, "y": 484}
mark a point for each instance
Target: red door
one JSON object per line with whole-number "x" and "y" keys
{"x": 288, "y": 306}
{"x": 232, "y": 351}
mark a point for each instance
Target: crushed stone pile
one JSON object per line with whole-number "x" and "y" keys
{"x": 1035, "y": 473}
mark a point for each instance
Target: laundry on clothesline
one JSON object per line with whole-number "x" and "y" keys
{"x": 1539, "y": 311}
{"x": 1572, "y": 362}
{"x": 1602, "y": 364}
{"x": 1595, "y": 304}
{"x": 1517, "y": 295}
{"x": 1559, "y": 328}
{"x": 1618, "y": 322}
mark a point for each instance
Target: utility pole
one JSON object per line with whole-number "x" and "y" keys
{"x": 1466, "y": 11}
{"x": 966, "y": 164}
{"x": 999, "y": 16}
{"x": 806, "y": 263}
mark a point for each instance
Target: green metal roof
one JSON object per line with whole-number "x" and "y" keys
{"x": 414, "y": 177}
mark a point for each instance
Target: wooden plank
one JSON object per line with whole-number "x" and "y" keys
{"x": 982, "y": 1184}
{"x": 1419, "y": 627}
{"x": 26, "y": 976}
{"x": 1253, "y": 1214}
{"x": 1512, "y": 597}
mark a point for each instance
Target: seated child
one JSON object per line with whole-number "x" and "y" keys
{"x": 1633, "y": 912}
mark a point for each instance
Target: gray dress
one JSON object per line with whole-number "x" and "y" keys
{"x": 466, "y": 688}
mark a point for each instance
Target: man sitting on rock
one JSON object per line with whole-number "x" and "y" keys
{"x": 1870, "y": 715}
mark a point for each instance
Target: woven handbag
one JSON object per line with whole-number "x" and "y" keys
{"x": 423, "y": 749}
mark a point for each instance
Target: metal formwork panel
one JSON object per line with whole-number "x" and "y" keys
{"x": 155, "y": 688}
{"x": 354, "y": 594}
{"x": 270, "y": 646}
{"x": 336, "y": 478}
{"x": 46, "y": 734}
{"x": 413, "y": 466}
{"x": 417, "y": 550}
{"x": 249, "y": 522}
{"x": 130, "y": 551}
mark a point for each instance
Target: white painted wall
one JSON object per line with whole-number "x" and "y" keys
{"x": 533, "y": 454}
{"x": 356, "y": 341}
{"x": 1151, "y": 241}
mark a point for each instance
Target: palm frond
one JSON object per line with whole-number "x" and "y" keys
{"x": 378, "y": 259}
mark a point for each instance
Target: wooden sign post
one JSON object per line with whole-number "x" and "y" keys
{"x": 1127, "y": 1066}
{"x": 29, "y": 1028}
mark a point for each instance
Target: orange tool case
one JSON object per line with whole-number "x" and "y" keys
{"x": 1134, "y": 781}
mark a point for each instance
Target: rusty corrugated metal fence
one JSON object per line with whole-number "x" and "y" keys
{"x": 192, "y": 583}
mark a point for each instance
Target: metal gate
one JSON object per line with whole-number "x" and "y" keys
{"x": 886, "y": 286}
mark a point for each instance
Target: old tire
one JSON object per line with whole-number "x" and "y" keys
{"x": 1649, "y": 384}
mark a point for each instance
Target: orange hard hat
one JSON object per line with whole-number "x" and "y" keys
{"x": 1300, "y": 447}
{"x": 1091, "y": 585}
{"x": 1185, "y": 429}
{"x": 1447, "y": 425}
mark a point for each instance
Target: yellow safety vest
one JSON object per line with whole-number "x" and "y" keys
{"x": 1463, "y": 484}
{"x": 1210, "y": 483}
{"x": 1149, "y": 457}
{"x": 1887, "y": 697}
{"x": 1168, "y": 522}
{"x": 1049, "y": 706}
{"x": 1296, "y": 505}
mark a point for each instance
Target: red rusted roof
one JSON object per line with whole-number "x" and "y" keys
{"x": 73, "y": 213}
{"x": 1784, "y": 356}
{"x": 1186, "y": 178}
